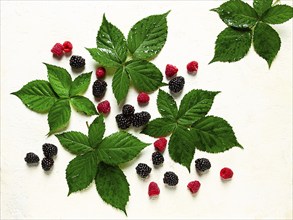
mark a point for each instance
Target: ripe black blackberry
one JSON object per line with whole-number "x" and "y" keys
{"x": 50, "y": 150}
{"x": 47, "y": 163}
{"x": 176, "y": 84}
{"x": 31, "y": 158}
{"x": 143, "y": 170}
{"x": 99, "y": 88}
{"x": 77, "y": 62}
{"x": 170, "y": 178}
{"x": 141, "y": 118}
{"x": 123, "y": 122}
{"x": 157, "y": 158}
{"x": 202, "y": 164}
{"x": 128, "y": 110}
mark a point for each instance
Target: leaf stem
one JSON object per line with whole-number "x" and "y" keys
{"x": 87, "y": 124}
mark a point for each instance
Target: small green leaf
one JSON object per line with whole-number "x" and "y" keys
{"x": 112, "y": 186}
{"x": 145, "y": 76}
{"x": 194, "y": 106}
{"x": 75, "y": 142}
{"x": 159, "y": 127}
{"x": 148, "y": 36}
{"x": 81, "y": 171}
{"x": 278, "y": 14}
{"x": 37, "y": 95}
{"x": 84, "y": 105}
{"x": 213, "y": 134}
{"x": 120, "y": 84}
{"x": 59, "y": 115}
{"x": 232, "y": 45}
{"x": 80, "y": 84}
{"x": 103, "y": 57}
{"x": 166, "y": 105}
{"x": 266, "y": 42}
{"x": 96, "y": 131}
{"x": 261, "y": 6}
{"x": 119, "y": 147}
{"x": 59, "y": 79}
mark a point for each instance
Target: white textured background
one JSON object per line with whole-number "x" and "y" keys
{"x": 255, "y": 100}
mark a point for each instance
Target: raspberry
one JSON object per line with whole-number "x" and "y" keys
{"x": 57, "y": 49}
{"x": 99, "y": 88}
{"x": 77, "y": 62}
{"x": 171, "y": 70}
{"x": 193, "y": 186}
{"x": 104, "y": 107}
{"x": 141, "y": 118}
{"x": 192, "y": 67}
{"x": 160, "y": 144}
{"x": 170, "y": 178}
{"x": 67, "y": 47}
{"x": 143, "y": 170}
{"x": 202, "y": 164}
{"x": 154, "y": 190}
{"x": 49, "y": 150}
{"x": 176, "y": 84}
{"x": 128, "y": 110}
{"x": 100, "y": 72}
{"x": 123, "y": 122}
{"x": 47, "y": 163}
{"x": 157, "y": 158}
{"x": 226, "y": 173}
{"x": 143, "y": 98}
{"x": 31, "y": 158}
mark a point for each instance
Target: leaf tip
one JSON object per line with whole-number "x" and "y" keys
{"x": 167, "y": 12}
{"x": 124, "y": 210}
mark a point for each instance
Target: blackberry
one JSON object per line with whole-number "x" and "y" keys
{"x": 157, "y": 158}
{"x": 47, "y": 163}
{"x": 170, "y": 178}
{"x": 141, "y": 118}
{"x": 128, "y": 110}
{"x": 143, "y": 170}
{"x": 77, "y": 62}
{"x": 99, "y": 88}
{"x": 202, "y": 164}
{"x": 50, "y": 150}
{"x": 31, "y": 158}
{"x": 123, "y": 122}
{"x": 176, "y": 84}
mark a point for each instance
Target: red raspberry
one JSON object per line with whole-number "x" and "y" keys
{"x": 57, "y": 50}
{"x": 171, "y": 70}
{"x": 143, "y": 98}
{"x": 160, "y": 144}
{"x": 100, "y": 72}
{"x": 67, "y": 47}
{"x": 192, "y": 67}
{"x": 226, "y": 173}
{"x": 154, "y": 190}
{"x": 104, "y": 107}
{"x": 193, "y": 186}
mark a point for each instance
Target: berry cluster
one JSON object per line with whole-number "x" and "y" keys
{"x": 59, "y": 49}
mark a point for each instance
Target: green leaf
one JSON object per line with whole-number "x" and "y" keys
{"x": 213, "y": 135}
{"x": 159, "y": 127}
{"x": 182, "y": 146}
{"x": 75, "y": 142}
{"x": 266, "y": 42}
{"x": 238, "y": 14}
{"x": 59, "y": 79}
{"x": 145, "y": 76}
{"x": 112, "y": 186}
{"x": 232, "y": 45}
{"x": 111, "y": 41}
{"x": 84, "y": 105}
{"x": 166, "y": 105}
{"x": 80, "y": 84}
{"x": 119, "y": 147}
{"x": 120, "y": 84}
{"x": 261, "y": 6}
{"x": 37, "y": 95}
{"x": 194, "y": 106}
{"x": 59, "y": 115}
{"x": 81, "y": 171}
{"x": 278, "y": 14}
{"x": 148, "y": 36}
{"x": 103, "y": 57}
{"x": 96, "y": 131}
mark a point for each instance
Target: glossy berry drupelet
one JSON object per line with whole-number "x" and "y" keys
{"x": 99, "y": 88}
{"x": 157, "y": 158}
{"x": 170, "y": 178}
{"x": 202, "y": 164}
{"x": 141, "y": 118}
{"x": 123, "y": 122}
{"x": 143, "y": 170}
{"x": 47, "y": 163}
{"x": 31, "y": 158}
{"x": 77, "y": 62}
{"x": 128, "y": 110}
{"x": 176, "y": 84}
{"x": 50, "y": 150}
